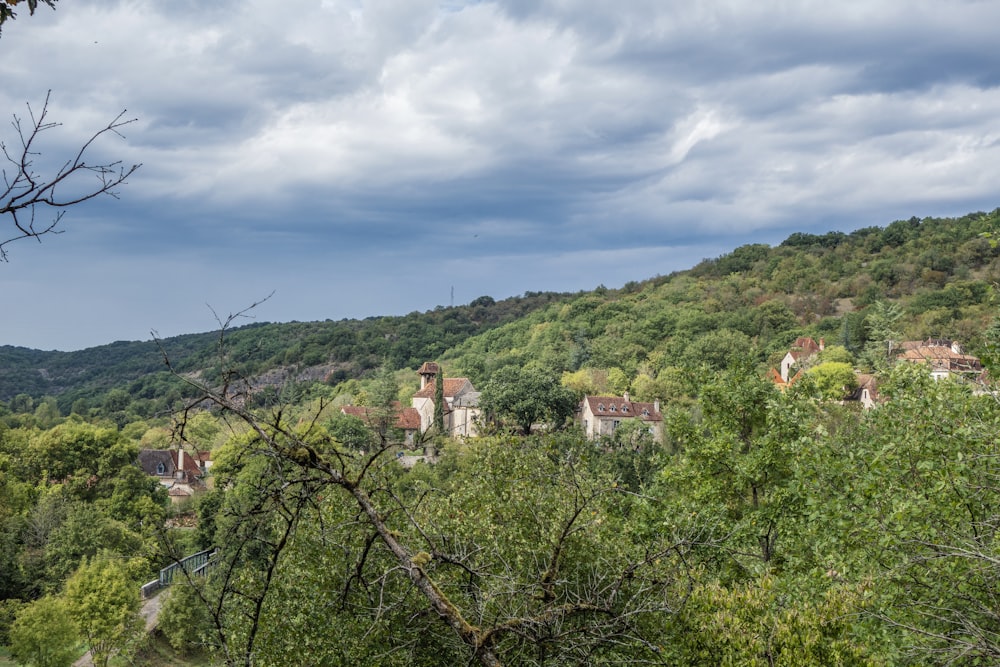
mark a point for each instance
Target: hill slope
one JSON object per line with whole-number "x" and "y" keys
{"x": 939, "y": 270}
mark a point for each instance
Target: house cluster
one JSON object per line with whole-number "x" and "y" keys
{"x": 599, "y": 416}
{"x": 944, "y": 357}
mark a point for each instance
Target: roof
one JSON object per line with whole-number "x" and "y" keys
{"x": 930, "y": 342}
{"x": 187, "y": 464}
{"x": 866, "y": 381}
{"x": 944, "y": 358}
{"x": 429, "y": 368}
{"x": 452, "y": 388}
{"x": 804, "y": 347}
{"x": 620, "y": 407}
{"x": 407, "y": 419}
{"x": 151, "y": 459}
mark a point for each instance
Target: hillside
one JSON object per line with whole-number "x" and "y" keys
{"x": 939, "y": 270}
{"x": 344, "y": 349}
{"x": 940, "y": 273}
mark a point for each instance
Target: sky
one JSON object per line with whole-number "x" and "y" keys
{"x": 353, "y": 158}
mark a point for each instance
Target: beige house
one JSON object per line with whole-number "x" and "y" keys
{"x": 461, "y": 409}
{"x": 601, "y": 415}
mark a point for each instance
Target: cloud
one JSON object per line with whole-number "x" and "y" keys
{"x": 507, "y": 146}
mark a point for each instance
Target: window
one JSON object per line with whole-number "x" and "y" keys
{"x": 613, "y": 408}
{"x": 645, "y": 412}
{"x": 624, "y": 407}
{"x": 160, "y": 470}
{"x": 600, "y": 407}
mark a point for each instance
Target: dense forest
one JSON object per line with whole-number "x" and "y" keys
{"x": 767, "y": 526}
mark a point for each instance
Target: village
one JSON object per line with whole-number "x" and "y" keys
{"x": 184, "y": 472}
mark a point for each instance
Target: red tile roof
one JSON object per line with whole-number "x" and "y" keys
{"x": 406, "y": 418}
{"x": 452, "y": 386}
{"x": 942, "y": 358}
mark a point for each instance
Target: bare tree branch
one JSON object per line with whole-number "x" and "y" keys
{"x": 25, "y": 193}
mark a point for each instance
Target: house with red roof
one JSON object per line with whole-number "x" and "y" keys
{"x": 178, "y": 471}
{"x": 461, "y": 409}
{"x": 944, "y": 357}
{"x": 602, "y": 415}
{"x": 802, "y": 349}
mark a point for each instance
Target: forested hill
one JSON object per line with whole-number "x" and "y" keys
{"x": 938, "y": 272}
{"x": 342, "y": 349}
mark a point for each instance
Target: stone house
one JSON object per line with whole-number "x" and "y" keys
{"x": 601, "y": 415}
{"x": 461, "y": 409}
{"x": 179, "y": 472}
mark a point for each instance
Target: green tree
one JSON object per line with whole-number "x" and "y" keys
{"x": 834, "y": 380}
{"x": 759, "y": 624}
{"x": 103, "y": 599}
{"x": 22, "y": 403}
{"x": 736, "y": 462}
{"x": 184, "y": 619}
{"x": 439, "y": 401}
{"x": 523, "y": 397}
{"x": 43, "y": 635}
{"x": 882, "y": 325}
{"x": 618, "y": 381}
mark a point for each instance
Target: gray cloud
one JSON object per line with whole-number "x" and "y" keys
{"x": 362, "y": 157}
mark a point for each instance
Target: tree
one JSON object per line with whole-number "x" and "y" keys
{"x": 833, "y": 379}
{"x": 103, "y": 599}
{"x": 183, "y": 618}
{"x": 735, "y": 462}
{"x": 474, "y": 566}
{"x": 25, "y": 192}
{"x": 43, "y": 634}
{"x": 7, "y": 9}
{"x": 439, "y": 401}
{"x": 523, "y": 397}
{"x": 882, "y": 323}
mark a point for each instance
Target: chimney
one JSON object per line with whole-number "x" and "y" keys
{"x": 822, "y": 344}
{"x": 625, "y": 396}
{"x": 656, "y": 405}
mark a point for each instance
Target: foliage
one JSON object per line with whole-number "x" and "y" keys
{"x": 103, "y": 599}
{"x": 183, "y": 618}
{"x": 834, "y": 380}
{"x": 439, "y": 402}
{"x": 757, "y": 624}
{"x": 43, "y": 634}
{"x": 523, "y": 397}
{"x": 7, "y": 8}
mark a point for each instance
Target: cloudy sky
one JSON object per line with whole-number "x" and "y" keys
{"x": 360, "y": 158}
